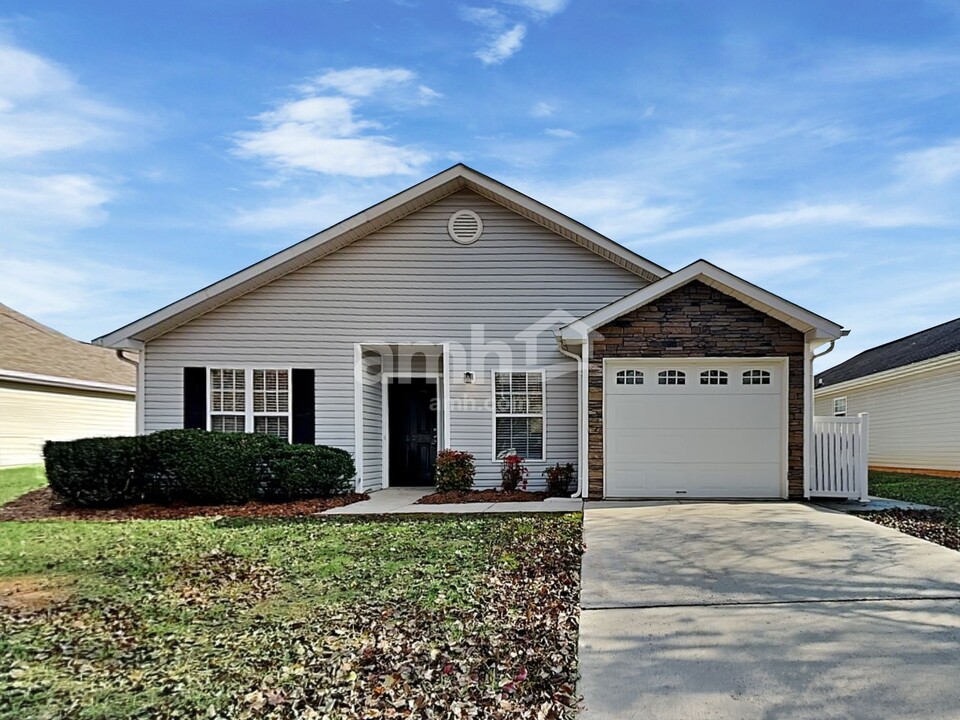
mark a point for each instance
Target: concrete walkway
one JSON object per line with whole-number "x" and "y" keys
{"x": 752, "y": 611}
{"x": 402, "y": 500}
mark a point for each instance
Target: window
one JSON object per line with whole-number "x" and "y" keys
{"x": 713, "y": 377}
{"x": 518, "y": 414}
{"x": 672, "y": 377}
{"x": 840, "y": 407}
{"x": 250, "y": 400}
{"x": 629, "y": 377}
{"x": 756, "y": 377}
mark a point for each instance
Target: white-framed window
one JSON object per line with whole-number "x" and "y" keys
{"x": 518, "y": 414}
{"x": 630, "y": 377}
{"x": 253, "y": 400}
{"x": 672, "y": 377}
{"x": 840, "y": 407}
{"x": 714, "y": 377}
{"x": 756, "y": 377}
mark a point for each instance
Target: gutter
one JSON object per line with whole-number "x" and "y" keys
{"x": 582, "y": 459}
{"x": 57, "y": 381}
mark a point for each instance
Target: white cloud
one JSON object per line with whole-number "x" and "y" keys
{"x": 934, "y": 165}
{"x": 43, "y": 109}
{"x": 503, "y": 45}
{"x": 560, "y": 133}
{"x": 301, "y": 217}
{"x": 543, "y": 110}
{"x": 541, "y": 8}
{"x": 754, "y": 267}
{"x": 42, "y": 201}
{"x": 324, "y": 133}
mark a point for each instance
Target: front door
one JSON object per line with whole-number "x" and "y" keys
{"x": 413, "y": 431}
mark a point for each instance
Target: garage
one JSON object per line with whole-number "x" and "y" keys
{"x": 704, "y": 428}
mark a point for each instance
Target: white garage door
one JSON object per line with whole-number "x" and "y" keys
{"x": 698, "y": 429}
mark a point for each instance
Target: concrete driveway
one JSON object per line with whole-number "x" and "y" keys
{"x": 764, "y": 610}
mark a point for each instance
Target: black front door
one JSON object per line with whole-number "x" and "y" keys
{"x": 413, "y": 431}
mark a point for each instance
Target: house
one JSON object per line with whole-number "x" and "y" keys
{"x": 55, "y": 388}
{"x": 911, "y": 389}
{"x": 461, "y": 313}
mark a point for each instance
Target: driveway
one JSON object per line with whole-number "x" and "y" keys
{"x": 764, "y": 610}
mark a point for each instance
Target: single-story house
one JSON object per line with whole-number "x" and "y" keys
{"x": 53, "y": 387}
{"x": 461, "y": 313}
{"x": 911, "y": 389}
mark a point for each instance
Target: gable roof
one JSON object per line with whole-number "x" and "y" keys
{"x": 924, "y": 345}
{"x": 429, "y": 191}
{"x": 33, "y": 353}
{"x": 815, "y": 326}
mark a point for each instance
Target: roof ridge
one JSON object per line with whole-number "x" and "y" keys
{"x": 19, "y": 317}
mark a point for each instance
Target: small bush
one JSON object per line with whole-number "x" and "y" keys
{"x": 306, "y": 471}
{"x": 559, "y": 478}
{"x": 193, "y": 466}
{"x": 513, "y": 473}
{"x": 95, "y": 472}
{"x": 455, "y": 471}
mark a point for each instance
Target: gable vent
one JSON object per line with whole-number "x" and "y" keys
{"x": 465, "y": 226}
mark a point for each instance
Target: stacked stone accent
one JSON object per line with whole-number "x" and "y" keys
{"x": 691, "y": 322}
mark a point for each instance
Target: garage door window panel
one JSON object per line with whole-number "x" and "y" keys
{"x": 756, "y": 377}
{"x": 714, "y": 377}
{"x": 672, "y": 377}
{"x": 519, "y": 414}
{"x": 630, "y": 377}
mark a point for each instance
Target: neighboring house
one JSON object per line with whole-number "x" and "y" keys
{"x": 911, "y": 389}
{"x": 459, "y": 313}
{"x": 55, "y": 388}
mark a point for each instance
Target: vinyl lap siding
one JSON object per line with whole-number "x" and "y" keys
{"x": 914, "y": 421}
{"x": 372, "y": 425}
{"x": 31, "y": 415}
{"x": 408, "y": 283}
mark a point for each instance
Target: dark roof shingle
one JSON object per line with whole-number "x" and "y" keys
{"x": 924, "y": 345}
{"x": 29, "y": 347}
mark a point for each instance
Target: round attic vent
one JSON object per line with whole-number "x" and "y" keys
{"x": 465, "y": 226}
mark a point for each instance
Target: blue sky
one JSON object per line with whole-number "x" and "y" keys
{"x": 147, "y": 149}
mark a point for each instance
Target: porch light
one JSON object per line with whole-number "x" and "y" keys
{"x": 468, "y": 377}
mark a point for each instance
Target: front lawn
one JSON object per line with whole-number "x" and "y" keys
{"x": 941, "y": 492}
{"x": 442, "y": 617}
{"x": 16, "y": 481}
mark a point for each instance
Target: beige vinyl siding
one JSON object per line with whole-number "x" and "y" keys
{"x": 914, "y": 420}
{"x": 408, "y": 282}
{"x": 31, "y": 414}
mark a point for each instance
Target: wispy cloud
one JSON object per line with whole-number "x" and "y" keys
{"x": 504, "y": 28}
{"x": 326, "y": 133}
{"x": 757, "y": 267}
{"x": 560, "y": 133}
{"x": 543, "y": 109}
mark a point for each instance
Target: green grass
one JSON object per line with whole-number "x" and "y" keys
{"x": 942, "y": 492}
{"x": 187, "y": 618}
{"x": 16, "y": 481}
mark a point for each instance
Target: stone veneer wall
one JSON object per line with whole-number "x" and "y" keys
{"x": 697, "y": 321}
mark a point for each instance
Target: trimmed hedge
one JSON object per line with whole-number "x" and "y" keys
{"x": 194, "y": 467}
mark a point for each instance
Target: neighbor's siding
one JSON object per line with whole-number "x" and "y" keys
{"x": 914, "y": 421}
{"x": 407, "y": 283}
{"x": 31, "y": 415}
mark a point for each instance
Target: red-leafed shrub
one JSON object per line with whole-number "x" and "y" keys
{"x": 559, "y": 478}
{"x": 455, "y": 470}
{"x": 513, "y": 473}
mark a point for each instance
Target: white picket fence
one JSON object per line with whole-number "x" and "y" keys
{"x": 841, "y": 445}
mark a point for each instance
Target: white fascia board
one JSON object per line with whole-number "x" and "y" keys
{"x": 353, "y": 228}
{"x": 892, "y": 375}
{"x": 766, "y": 302}
{"x": 57, "y": 381}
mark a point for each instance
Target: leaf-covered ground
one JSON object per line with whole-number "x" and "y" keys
{"x": 441, "y": 617}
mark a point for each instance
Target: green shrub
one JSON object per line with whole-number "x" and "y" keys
{"x": 200, "y": 467}
{"x": 307, "y": 471}
{"x": 455, "y": 471}
{"x": 559, "y": 477}
{"x": 195, "y": 467}
{"x": 95, "y": 472}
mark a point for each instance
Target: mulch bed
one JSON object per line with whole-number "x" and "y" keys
{"x": 481, "y": 496}
{"x": 42, "y": 504}
{"x": 925, "y": 524}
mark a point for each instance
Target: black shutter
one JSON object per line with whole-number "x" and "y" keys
{"x": 303, "y": 406}
{"x": 195, "y": 398}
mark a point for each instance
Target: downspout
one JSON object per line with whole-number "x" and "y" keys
{"x": 139, "y": 396}
{"x": 581, "y": 425}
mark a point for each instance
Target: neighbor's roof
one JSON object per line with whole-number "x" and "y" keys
{"x": 815, "y": 326}
{"x": 31, "y": 352}
{"x": 924, "y": 345}
{"x": 451, "y": 180}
